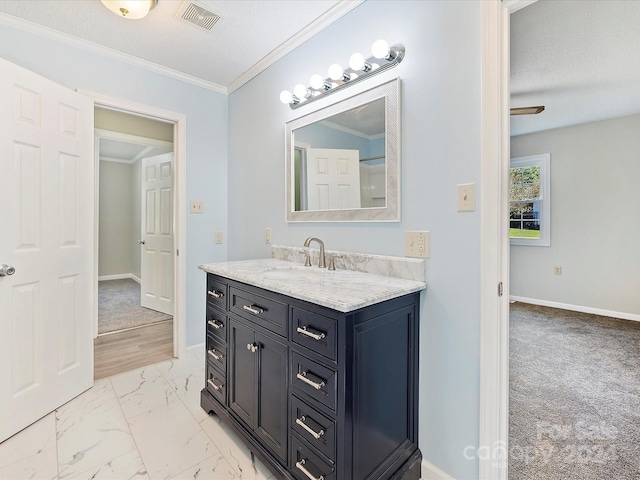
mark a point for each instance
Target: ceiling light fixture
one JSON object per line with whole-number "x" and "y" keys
{"x": 384, "y": 57}
{"x": 130, "y": 9}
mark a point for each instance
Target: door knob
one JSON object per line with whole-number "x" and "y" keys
{"x": 6, "y": 270}
{"x": 140, "y": 242}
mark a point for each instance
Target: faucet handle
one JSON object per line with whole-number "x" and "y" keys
{"x": 307, "y": 260}
{"x": 332, "y": 263}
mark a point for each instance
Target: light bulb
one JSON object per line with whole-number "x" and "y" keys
{"x": 380, "y": 49}
{"x": 356, "y": 61}
{"x": 130, "y": 9}
{"x": 316, "y": 81}
{"x": 335, "y": 72}
{"x": 301, "y": 91}
{"x": 286, "y": 97}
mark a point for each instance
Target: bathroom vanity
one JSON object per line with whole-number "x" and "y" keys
{"x": 316, "y": 370}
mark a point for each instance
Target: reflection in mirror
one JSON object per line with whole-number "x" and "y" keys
{"x": 340, "y": 161}
{"x": 343, "y": 162}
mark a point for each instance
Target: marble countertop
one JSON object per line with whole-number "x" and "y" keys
{"x": 342, "y": 290}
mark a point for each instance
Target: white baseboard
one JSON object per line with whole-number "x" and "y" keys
{"x": 195, "y": 348}
{"x": 431, "y": 472}
{"x": 120, "y": 277}
{"x": 577, "y": 308}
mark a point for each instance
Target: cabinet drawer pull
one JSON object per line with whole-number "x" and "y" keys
{"x": 253, "y": 309}
{"x": 316, "y": 336}
{"x": 316, "y": 435}
{"x": 213, "y": 384}
{"x": 215, "y": 324}
{"x": 303, "y": 376}
{"x": 300, "y": 466}
{"x": 215, "y": 355}
{"x": 215, "y": 294}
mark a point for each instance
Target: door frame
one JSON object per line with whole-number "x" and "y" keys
{"x": 179, "y": 121}
{"x": 493, "y": 447}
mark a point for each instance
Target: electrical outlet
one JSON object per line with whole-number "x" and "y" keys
{"x": 557, "y": 270}
{"x": 218, "y": 237}
{"x": 417, "y": 244}
{"x": 267, "y": 235}
{"x": 196, "y": 206}
{"x": 466, "y": 197}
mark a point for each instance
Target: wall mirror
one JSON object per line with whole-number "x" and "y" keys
{"x": 343, "y": 161}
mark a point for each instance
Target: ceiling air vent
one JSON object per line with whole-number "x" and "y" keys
{"x": 195, "y": 14}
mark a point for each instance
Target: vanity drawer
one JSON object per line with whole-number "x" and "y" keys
{"x": 216, "y": 353}
{"x": 315, "y": 332}
{"x": 216, "y": 292}
{"x": 306, "y": 465}
{"x": 216, "y": 384}
{"x": 315, "y": 380}
{"x": 262, "y": 311}
{"x": 216, "y": 324}
{"x": 318, "y": 430}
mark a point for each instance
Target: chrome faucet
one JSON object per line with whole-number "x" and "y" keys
{"x": 321, "y": 261}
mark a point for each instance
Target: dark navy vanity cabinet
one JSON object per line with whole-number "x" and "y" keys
{"x": 313, "y": 392}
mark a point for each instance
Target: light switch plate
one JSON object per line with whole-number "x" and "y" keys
{"x": 267, "y": 235}
{"x": 196, "y": 206}
{"x": 466, "y": 197}
{"x": 218, "y": 237}
{"x": 417, "y": 244}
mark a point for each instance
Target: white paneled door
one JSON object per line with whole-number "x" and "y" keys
{"x": 333, "y": 179}
{"x": 46, "y": 234}
{"x": 157, "y": 233}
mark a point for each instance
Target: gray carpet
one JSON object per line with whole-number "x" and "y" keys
{"x": 119, "y": 307}
{"x": 574, "y": 406}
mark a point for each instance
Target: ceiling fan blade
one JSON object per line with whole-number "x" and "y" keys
{"x": 527, "y": 110}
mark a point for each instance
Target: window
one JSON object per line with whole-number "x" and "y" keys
{"x": 529, "y": 201}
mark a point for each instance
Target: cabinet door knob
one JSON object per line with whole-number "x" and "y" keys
{"x": 252, "y": 347}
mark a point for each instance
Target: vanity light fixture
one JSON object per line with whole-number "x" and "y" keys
{"x": 130, "y": 9}
{"x": 383, "y": 58}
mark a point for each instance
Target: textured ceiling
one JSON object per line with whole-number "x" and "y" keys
{"x": 248, "y": 31}
{"x": 581, "y": 59}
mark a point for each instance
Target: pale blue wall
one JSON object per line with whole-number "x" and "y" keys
{"x": 206, "y": 113}
{"x": 441, "y": 132}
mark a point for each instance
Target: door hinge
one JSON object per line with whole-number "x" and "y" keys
{"x": 500, "y": 289}
{"x": 177, "y": 252}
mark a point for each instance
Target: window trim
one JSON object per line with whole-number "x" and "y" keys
{"x": 544, "y": 162}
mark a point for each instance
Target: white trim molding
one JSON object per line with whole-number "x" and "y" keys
{"x": 326, "y": 19}
{"x": 179, "y": 121}
{"x": 577, "y": 308}
{"x": 494, "y": 246}
{"x": 120, "y": 276}
{"x": 103, "y": 51}
{"x": 431, "y": 472}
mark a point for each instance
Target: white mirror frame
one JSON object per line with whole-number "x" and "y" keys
{"x": 391, "y": 211}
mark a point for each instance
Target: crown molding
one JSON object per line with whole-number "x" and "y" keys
{"x": 91, "y": 47}
{"x": 322, "y": 22}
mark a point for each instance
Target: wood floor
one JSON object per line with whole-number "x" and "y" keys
{"x": 124, "y": 351}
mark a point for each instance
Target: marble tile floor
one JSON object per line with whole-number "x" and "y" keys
{"x": 146, "y": 424}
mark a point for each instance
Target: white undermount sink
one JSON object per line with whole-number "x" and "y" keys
{"x": 294, "y": 273}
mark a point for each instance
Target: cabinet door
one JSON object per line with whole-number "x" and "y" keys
{"x": 272, "y": 399}
{"x": 242, "y": 372}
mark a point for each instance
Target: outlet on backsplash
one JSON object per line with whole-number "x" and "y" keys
{"x": 417, "y": 244}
